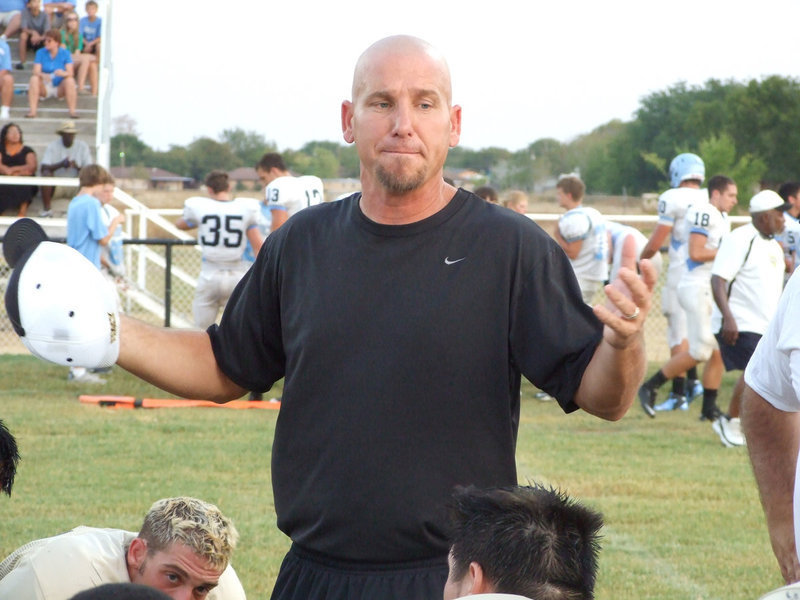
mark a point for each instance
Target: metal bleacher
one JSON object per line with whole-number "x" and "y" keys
{"x": 93, "y": 122}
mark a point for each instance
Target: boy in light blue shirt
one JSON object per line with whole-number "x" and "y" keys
{"x": 89, "y": 27}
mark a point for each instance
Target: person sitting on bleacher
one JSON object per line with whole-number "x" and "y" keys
{"x": 90, "y": 26}
{"x": 57, "y": 9}
{"x": 53, "y": 75}
{"x": 85, "y": 64}
{"x": 10, "y": 16}
{"x": 16, "y": 159}
{"x": 35, "y": 23}
{"x": 6, "y": 79}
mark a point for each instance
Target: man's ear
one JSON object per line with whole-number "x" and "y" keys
{"x": 347, "y": 122}
{"x": 480, "y": 584}
{"x": 137, "y": 552}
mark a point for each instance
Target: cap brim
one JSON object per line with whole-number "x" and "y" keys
{"x": 21, "y": 237}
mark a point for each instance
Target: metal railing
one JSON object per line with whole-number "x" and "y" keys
{"x": 162, "y": 264}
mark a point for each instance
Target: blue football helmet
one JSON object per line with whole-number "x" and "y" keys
{"x": 686, "y": 166}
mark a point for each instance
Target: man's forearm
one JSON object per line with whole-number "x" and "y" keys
{"x": 179, "y": 361}
{"x": 773, "y": 440}
{"x": 612, "y": 378}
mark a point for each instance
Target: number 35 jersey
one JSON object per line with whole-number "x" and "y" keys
{"x": 222, "y": 226}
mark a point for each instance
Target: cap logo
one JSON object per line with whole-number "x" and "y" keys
{"x": 112, "y": 326}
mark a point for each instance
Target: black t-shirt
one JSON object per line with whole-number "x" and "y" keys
{"x": 402, "y": 348}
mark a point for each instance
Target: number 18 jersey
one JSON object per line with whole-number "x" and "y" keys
{"x": 706, "y": 220}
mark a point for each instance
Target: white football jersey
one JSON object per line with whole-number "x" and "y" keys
{"x": 672, "y": 207}
{"x": 293, "y": 194}
{"x": 587, "y": 224}
{"x": 222, "y": 225}
{"x": 618, "y": 233}
{"x": 706, "y": 220}
{"x": 790, "y": 236}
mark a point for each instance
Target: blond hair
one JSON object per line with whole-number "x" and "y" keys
{"x": 514, "y": 197}
{"x": 196, "y": 524}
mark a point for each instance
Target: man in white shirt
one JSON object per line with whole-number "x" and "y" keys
{"x": 521, "y": 542}
{"x": 184, "y": 549}
{"x": 64, "y": 157}
{"x": 771, "y": 424}
{"x": 746, "y": 281}
{"x": 581, "y": 232}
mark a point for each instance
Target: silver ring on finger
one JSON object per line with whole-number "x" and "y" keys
{"x": 632, "y": 316}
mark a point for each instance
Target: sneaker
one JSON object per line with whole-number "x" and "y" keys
{"x": 86, "y": 377}
{"x": 543, "y": 397}
{"x": 19, "y": 66}
{"x": 647, "y": 398}
{"x": 732, "y": 428}
{"x": 729, "y": 431}
{"x": 696, "y": 387}
{"x": 673, "y": 402}
{"x": 46, "y": 213}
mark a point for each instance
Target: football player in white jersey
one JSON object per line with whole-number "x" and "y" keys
{"x": 687, "y": 172}
{"x": 617, "y": 234}
{"x": 225, "y": 225}
{"x": 707, "y": 224}
{"x": 284, "y": 194}
{"x": 790, "y": 236}
{"x": 581, "y": 232}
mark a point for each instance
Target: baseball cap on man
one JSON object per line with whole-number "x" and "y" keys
{"x": 67, "y": 127}
{"x": 767, "y": 200}
{"x": 58, "y": 302}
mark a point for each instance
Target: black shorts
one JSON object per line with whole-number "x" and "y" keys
{"x": 737, "y": 356}
{"x": 308, "y": 576}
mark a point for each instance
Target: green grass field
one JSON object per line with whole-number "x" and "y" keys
{"x": 683, "y": 520}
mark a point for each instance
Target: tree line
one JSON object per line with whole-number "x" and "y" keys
{"x": 747, "y": 130}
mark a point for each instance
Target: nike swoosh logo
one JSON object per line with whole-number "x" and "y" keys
{"x": 447, "y": 260}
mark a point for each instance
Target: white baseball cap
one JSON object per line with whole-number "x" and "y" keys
{"x": 59, "y": 303}
{"x": 767, "y": 200}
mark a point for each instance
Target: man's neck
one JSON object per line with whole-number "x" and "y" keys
{"x": 380, "y": 206}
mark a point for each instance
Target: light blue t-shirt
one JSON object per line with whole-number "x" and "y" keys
{"x": 90, "y": 30}
{"x": 85, "y": 226}
{"x": 5, "y": 56}
{"x": 9, "y": 5}
{"x": 50, "y": 63}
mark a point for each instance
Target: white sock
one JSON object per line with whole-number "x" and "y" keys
{"x": 3, "y": 112}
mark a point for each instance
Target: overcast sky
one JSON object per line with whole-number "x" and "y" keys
{"x": 522, "y": 69}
